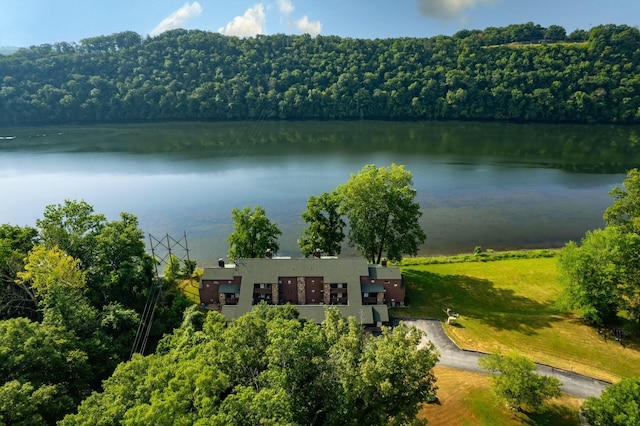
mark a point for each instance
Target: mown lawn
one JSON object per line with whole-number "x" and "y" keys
{"x": 189, "y": 288}
{"x": 510, "y": 305}
{"x": 465, "y": 398}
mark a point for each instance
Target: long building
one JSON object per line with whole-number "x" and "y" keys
{"x": 310, "y": 284}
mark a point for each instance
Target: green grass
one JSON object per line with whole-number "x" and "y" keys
{"x": 510, "y": 305}
{"x": 465, "y": 398}
{"x": 485, "y": 256}
{"x": 189, "y": 288}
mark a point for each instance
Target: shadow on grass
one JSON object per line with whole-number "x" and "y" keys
{"x": 431, "y": 294}
{"x": 552, "y": 414}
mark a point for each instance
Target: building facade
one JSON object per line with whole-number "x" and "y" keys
{"x": 356, "y": 288}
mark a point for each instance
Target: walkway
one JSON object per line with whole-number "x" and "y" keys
{"x": 452, "y": 356}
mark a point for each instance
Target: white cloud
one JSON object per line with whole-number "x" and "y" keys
{"x": 312, "y": 28}
{"x": 177, "y": 18}
{"x": 286, "y": 7}
{"x": 448, "y": 9}
{"x": 251, "y": 23}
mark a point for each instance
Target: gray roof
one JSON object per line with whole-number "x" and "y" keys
{"x": 229, "y": 288}
{"x": 219, "y": 274}
{"x": 372, "y": 288}
{"x": 384, "y": 272}
{"x": 380, "y": 313}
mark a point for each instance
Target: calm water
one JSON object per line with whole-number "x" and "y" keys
{"x": 501, "y": 186}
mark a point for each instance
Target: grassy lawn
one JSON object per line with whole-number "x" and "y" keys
{"x": 189, "y": 288}
{"x": 464, "y": 398}
{"x": 509, "y": 305}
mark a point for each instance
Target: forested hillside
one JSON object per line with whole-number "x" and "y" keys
{"x": 520, "y": 73}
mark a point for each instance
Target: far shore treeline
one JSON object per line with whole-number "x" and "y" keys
{"x": 517, "y": 73}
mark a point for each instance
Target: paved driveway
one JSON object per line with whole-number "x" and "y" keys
{"x": 452, "y": 356}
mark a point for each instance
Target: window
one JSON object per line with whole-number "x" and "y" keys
{"x": 395, "y": 285}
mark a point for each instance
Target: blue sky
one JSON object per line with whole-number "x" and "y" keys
{"x": 32, "y": 22}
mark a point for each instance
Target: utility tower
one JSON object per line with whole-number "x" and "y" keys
{"x": 162, "y": 249}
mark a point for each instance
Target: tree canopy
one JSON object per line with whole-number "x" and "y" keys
{"x": 625, "y": 210}
{"x": 619, "y": 405}
{"x": 522, "y": 72}
{"x": 268, "y": 367}
{"x": 73, "y": 293}
{"x": 379, "y": 203}
{"x": 253, "y": 234}
{"x": 15, "y": 243}
{"x": 516, "y": 383}
{"x": 325, "y": 230}
{"x": 602, "y": 274}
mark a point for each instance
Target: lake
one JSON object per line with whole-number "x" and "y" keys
{"x": 497, "y": 185}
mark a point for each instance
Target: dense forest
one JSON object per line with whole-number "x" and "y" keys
{"x": 517, "y": 73}
{"x": 74, "y": 291}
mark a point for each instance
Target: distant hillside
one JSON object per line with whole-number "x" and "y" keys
{"x": 7, "y": 50}
{"x": 516, "y": 73}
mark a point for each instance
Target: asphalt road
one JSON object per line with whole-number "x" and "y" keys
{"x": 454, "y": 357}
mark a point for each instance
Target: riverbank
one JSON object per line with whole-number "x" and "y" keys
{"x": 480, "y": 255}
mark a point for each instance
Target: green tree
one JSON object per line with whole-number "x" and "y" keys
{"x": 516, "y": 383}
{"x": 268, "y": 367}
{"x": 121, "y": 269}
{"x": 602, "y": 275}
{"x": 590, "y": 274}
{"x": 72, "y": 227}
{"x": 15, "y": 243}
{"x": 22, "y": 404}
{"x": 380, "y": 206}
{"x": 625, "y": 210}
{"x": 172, "y": 269}
{"x": 41, "y": 364}
{"x": 253, "y": 234}
{"x": 325, "y": 230}
{"x": 57, "y": 285}
{"x": 619, "y": 405}
{"x": 555, "y": 33}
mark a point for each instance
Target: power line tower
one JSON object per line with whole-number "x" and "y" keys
{"x": 162, "y": 251}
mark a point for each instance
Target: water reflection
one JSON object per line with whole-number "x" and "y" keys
{"x": 495, "y": 185}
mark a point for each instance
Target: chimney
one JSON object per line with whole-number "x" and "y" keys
{"x": 384, "y": 263}
{"x": 221, "y": 263}
{"x": 269, "y": 253}
{"x": 317, "y": 253}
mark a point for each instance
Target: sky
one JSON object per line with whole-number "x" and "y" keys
{"x": 25, "y": 23}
